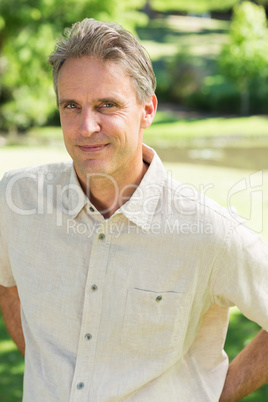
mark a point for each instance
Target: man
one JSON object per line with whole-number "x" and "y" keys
{"x": 122, "y": 299}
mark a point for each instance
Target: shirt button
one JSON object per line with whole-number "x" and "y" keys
{"x": 159, "y": 298}
{"x": 88, "y": 337}
{"x": 80, "y": 385}
{"x": 101, "y": 236}
{"x": 91, "y": 209}
{"x": 94, "y": 288}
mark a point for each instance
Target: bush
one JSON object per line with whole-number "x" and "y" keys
{"x": 216, "y": 95}
{"x": 244, "y": 59}
{"x": 184, "y": 81}
{"x": 220, "y": 96}
{"x": 185, "y": 77}
{"x": 178, "y": 78}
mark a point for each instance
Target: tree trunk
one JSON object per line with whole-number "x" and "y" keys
{"x": 245, "y": 105}
{"x": 13, "y": 137}
{"x": 148, "y": 9}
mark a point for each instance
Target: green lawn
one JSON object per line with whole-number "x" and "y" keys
{"x": 11, "y": 368}
{"x": 16, "y": 157}
{"x": 175, "y": 128}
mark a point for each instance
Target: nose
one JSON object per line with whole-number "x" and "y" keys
{"x": 89, "y": 123}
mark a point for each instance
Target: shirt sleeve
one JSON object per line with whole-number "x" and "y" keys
{"x": 242, "y": 275}
{"x": 6, "y": 276}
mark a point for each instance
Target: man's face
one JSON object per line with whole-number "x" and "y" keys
{"x": 101, "y": 118}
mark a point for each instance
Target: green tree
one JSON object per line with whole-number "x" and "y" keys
{"x": 262, "y": 2}
{"x": 196, "y": 6}
{"x": 28, "y": 30}
{"x": 244, "y": 59}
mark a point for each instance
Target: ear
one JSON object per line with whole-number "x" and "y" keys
{"x": 149, "y": 112}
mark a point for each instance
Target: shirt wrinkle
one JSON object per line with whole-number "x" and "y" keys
{"x": 133, "y": 308}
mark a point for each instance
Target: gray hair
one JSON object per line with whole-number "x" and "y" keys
{"x": 107, "y": 42}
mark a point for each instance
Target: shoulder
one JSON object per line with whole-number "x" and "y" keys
{"x": 23, "y": 189}
{"x": 56, "y": 168}
{"x": 189, "y": 204}
{"x": 29, "y": 175}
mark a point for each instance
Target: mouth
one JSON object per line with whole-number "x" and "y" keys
{"x": 92, "y": 148}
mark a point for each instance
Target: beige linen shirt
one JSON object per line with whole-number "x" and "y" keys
{"x": 132, "y": 308}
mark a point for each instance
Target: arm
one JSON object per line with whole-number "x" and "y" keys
{"x": 10, "y": 306}
{"x": 248, "y": 371}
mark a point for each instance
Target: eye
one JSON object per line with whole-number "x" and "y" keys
{"x": 108, "y": 105}
{"x": 71, "y": 106}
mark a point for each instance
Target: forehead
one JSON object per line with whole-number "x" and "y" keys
{"x": 91, "y": 75}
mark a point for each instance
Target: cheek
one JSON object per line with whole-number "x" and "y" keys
{"x": 113, "y": 127}
{"x": 68, "y": 126}
{"x": 63, "y": 122}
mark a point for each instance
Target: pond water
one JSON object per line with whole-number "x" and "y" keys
{"x": 242, "y": 158}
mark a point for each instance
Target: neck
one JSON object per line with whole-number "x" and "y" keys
{"x": 109, "y": 194}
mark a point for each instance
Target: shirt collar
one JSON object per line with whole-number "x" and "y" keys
{"x": 141, "y": 207}
{"x": 76, "y": 196}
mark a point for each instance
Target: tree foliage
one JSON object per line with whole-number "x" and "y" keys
{"x": 244, "y": 59}
{"x": 196, "y": 6}
{"x": 28, "y": 30}
{"x": 262, "y": 2}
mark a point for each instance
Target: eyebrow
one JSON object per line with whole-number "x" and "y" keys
{"x": 107, "y": 99}
{"x": 64, "y": 101}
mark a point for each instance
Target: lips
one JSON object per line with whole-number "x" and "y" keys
{"x": 92, "y": 148}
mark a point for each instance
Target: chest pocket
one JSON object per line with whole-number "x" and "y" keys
{"x": 155, "y": 322}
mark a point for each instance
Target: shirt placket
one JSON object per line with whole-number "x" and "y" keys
{"x": 91, "y": 316}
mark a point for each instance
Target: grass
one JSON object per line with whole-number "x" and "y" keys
{"x": 16, "y": 157}
{"x": 11, "y": 368}
{"x": 174, "y": 129}
{"x": 241, "y": 332}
